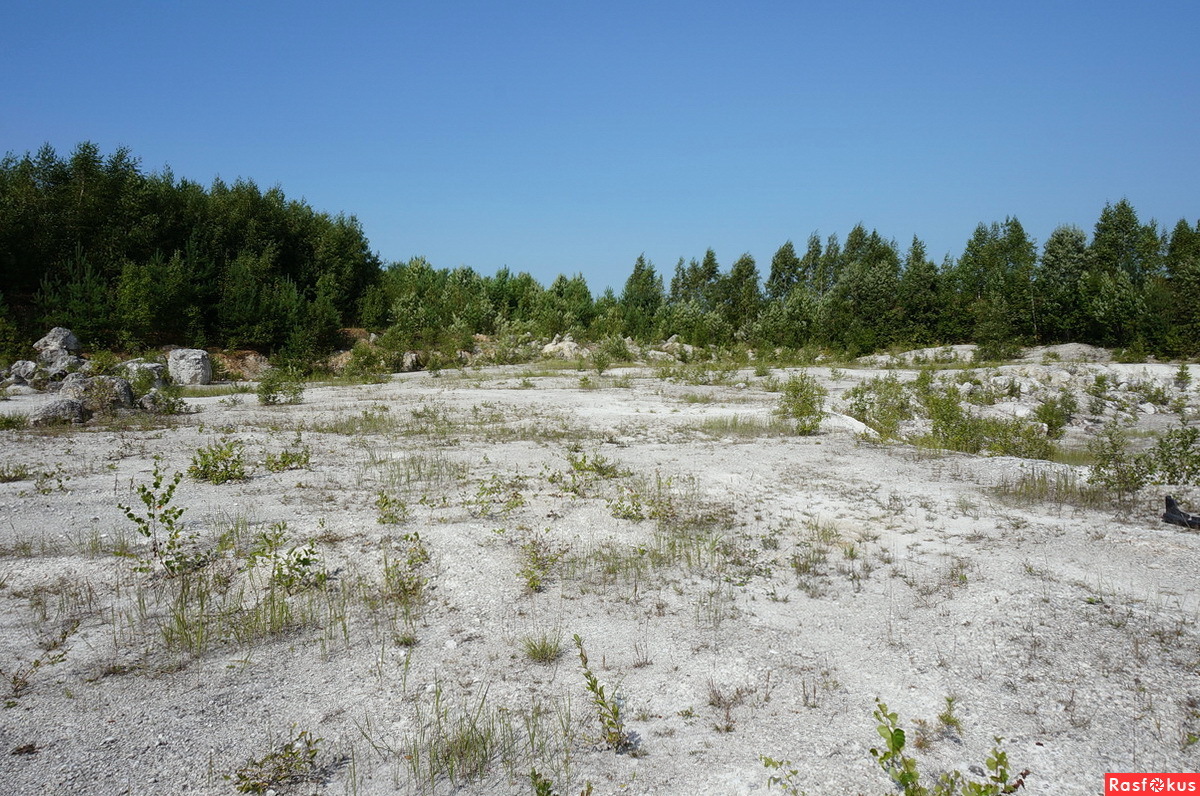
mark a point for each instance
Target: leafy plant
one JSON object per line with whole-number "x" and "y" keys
{"x": 159, "y": 517}
{"x": 608, "y": 709}
{"x": 627, "y": 506}
{"x": 1056, "y": 412}
{"x": 392, "y": 510}
{"x": 219, "y": 463}
{"x": 786, "y": 780}
{"x": 539, "y": 559}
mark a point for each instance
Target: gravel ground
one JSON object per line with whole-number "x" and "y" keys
{"x": 740, "y": 592}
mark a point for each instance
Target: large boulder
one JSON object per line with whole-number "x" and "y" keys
{"x": 60, "y": 411}
{"x": 56, "y": 340}
{"x": 563, "y": 347}
{"x": 189, "y": 366}
{"x": 99, "y": 394}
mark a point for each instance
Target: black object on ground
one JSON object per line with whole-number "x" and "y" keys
{"x": 1177, "y": 516}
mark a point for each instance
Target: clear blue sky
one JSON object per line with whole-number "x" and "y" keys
{"x": 564, "y": 137}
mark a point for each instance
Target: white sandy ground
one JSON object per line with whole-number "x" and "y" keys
{"x": 1070, "y": 632}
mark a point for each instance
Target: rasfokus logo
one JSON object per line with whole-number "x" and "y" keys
{"x": 1151, "y": 783}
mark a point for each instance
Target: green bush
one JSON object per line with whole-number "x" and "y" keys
{"x": 1056, "y": 412}
{"x": 280, "y": 386}
{"x": 803, "y": 400}
{"x": 219, "y": 463}
{"x": 881, "y": 403}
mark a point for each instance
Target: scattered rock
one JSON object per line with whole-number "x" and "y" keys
{"x": 411, "y": 361}
{"x": 22, "y": 369}
{"x": 189, "y": 366}
{"x": 563, "y": 347}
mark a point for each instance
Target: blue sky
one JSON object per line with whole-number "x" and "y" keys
{"x": 563, "y": 137}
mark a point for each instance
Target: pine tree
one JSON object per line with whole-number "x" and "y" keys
{"x": 640, "y": 300}
{"x": 785, "y": 272}
{"x": 1058, "y": 285}
{"x": 919, "y": 296}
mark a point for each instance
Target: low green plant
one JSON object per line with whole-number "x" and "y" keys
{"x": 905, "y": 772}
{"x": 803, "y": 400}
{"x": 391, "y": 510}
{"x": 404, "y": 579}
{"x": 543, "y": 648}
{"x": 14, "y": 421}
{"x": 608, "y": 709}
{"x": 596, "y": 463}
{"x": 219, "y": 463}
{"x": 627, "y": 506}
{"x": 539, "y": 557}
{"x": 293, "y": 763}
{"x": 14, "y": 472}
{"x": 786, "y": 780}
{"x": 1056, "y": 412}
{"x": 280, "y": 386}
{"x": 288, "y": 460}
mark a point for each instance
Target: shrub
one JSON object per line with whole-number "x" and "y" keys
{"x": 803, "y": 400}
{"x": 280, "y": 386}
{"x": 881, "y": 403}
{"x": 1115, "y": 469}
{"x": 1056, "y": 412}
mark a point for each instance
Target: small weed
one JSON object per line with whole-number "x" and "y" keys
{"x": 904, "y": 770}
{"x": 14, "y": 421}
{"x": 543, "y": 648}
{"x": 627, "y": 506}
{"x": 392, "y": 510}
{"x": 540, "y": 556}
{"x": 788, "y": 778}
{"x": 160, "y": 517}
{"x": 293, "y": 763}
{"x": 14, "y": 472}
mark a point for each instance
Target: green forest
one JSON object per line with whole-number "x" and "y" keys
{"x": 131, "y": 260}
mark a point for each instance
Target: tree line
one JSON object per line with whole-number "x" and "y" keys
{"x": 130, "y": 260}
